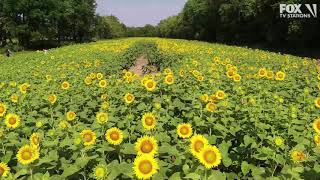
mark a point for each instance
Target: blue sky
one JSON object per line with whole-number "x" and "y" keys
{"x": 140, "y": 12}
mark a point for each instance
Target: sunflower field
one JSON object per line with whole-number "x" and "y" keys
{"x": 209, "y": 112}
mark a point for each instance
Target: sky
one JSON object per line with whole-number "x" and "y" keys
{"x": 140, "y": 12}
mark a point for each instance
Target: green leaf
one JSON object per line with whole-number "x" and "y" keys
{"x": 245, "y": 168}
{"x": 217, "y": 175}
{"x": 193, "y": 176}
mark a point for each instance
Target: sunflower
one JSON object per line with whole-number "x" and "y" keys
{"x": 103, "y": 83}
{"x": 65, "y": 85}
{"x": 150, "y": 85}
{"x": 88, "y": 80}
{"x": 230, "y": 73}
{"x": 3, "y": 109}
{"x": 297, "y": 156}
{"x": 114, "y": 136}
{"x": 71, "y": 116}
{"x": 200, "y": 78}
{"x": 262, "y": 72}
{"x": 181, "y": 72}
{"x": 35, "y": 140}
{"x": 210, "y": 156}
{"x": 24, "y": 87}
{"x": 128, "y": 74}
{"x": 236, "y": 78}
{"x": 39, "y": 124}
{"x": 148, "y": 121}
{"x": 317, "y": 102}
{"x": 14, "y": 98}
{"x": 92, "y": 75}
{"x": 88, "y": 137}
{"x": 63, "y": 125}
{"x": 12, "y": 121}
{"x": 316, "y": 125}
{"x": 316, "y": 139}
{"x": 220, "y": 94}
{"x": 27, "y": 154}
{"x": 52, "y": 98}
{"x": 204, "y": 98}
{"x": 145, "y": 166}
{"x": 167, "y": 71}
{"x": 269, "y": 74}
{"x": 99, "y": 76}
{"x": 184, "y": 130}
{"x": 146, "y": 145}
{"x": 100, "y": 172}
{"x": 4, "y": 170}
{"x": 280, "y": 76}
{"x": 129, "y": 98}
{"x": 105, "y": 105}
{"x": 102, "y": 117}
{"x": 211, "y": 107}
{"x": 197, "y": 142}
{"x": 278, "y": 141}
{"x": 169, "y": 79}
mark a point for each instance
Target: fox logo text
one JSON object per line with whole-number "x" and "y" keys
{"x": 298, "y": 10}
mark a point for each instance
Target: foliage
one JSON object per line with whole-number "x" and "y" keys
{"x": 262, "y": 125}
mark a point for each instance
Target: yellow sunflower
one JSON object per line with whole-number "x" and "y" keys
{"x": 145, "y": 166}
{"x": 105, "y": 105}
{"x": 114, "y": 136}
{"x": 4, "y": 170}
{"x": 278, "y": 141}
{"x": 52, "y": 98}
{"x": 236, "y": 78}
{"x": 3, "y": 109}
{"x": 100, "y": 172}
{"x": 210, "y": 156}
{"x": 88, "y": 81}
{"x": 316, "y": 125}
{"x": 12, "y": 121}
{"x": 262, "y": 72}
{"x": 65, "y": 85}
{"x": 181, "y": 72}
{"x": 99, "y": 76}
{"x": 93, "y": 75}
{"x": 27, "y": 154}
{"x": 298, "y": 156}
{"x": 184, "y": 130}
{"x": 270, "y": 75}
{"x": 316, "y": 139}
{"x": 88, "y": 137}
{"x": 149, "y": 121}
{"x": 230, "y": 73}
{"x": 317, "y": 102}
{"x": 102, "y": 117}
{"x": 204, "y": 98}
{"x": 14, "y": 98}
{"x": 103, "y": 83}
{"x": 211, "y": 107}
{"x": 280, "y": 76}
{"x": 24, "y": 87}
{"x": 197, "y": 142}
{"x": 71, "y": 116}
{"x": 169, "y": 79}
{"x": 167, "y": 71}
{"x": 146, "y": 145}
{"x": 220, "y": 94}
{"x": 63, "y": 125}
{"x": 129, "y": 98}
{"x": 150, "y": 85}
{"x": 35, "y": 139}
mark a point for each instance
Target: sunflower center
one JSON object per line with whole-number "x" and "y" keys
{"x": 1, "y": 171}
{"x": 114, "y": 136}
{"x": 169, "y": 79}
{"x": 184, "y": 130}
{"x": 87, "y": 137}
{"x": 103, "y": 118}
{"x": 145, "y": 167}
{"x": 198, "y": 146}
{"x": 210, "y": 156}
{"x": 12, "y": 120}
{"x": 1, "y": 109}
{"x": 212, "y": 107}
{"x": 149, "y": 121}
{"x": 150, "y": 84}
{"x": 146, "y": 147}
{"x": 220, "y": 94}
{"x": 318, "y": 125}
{"x": 24, "y": 88}
{"x": 26, "y": 155}
{"x": 300, "y": 155}
{"x": 129, "y": 98}
{"x": 318, "y": 101}
{"x": 65, "y": 85}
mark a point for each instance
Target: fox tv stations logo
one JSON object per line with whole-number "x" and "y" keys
{"x": 298, "y": 10}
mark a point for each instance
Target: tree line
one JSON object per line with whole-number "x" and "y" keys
{"x": 50, "y": 23}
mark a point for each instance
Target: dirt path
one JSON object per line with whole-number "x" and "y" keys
{"x": 140, "y": 64}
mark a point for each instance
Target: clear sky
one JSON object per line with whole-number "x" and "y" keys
{"x": 140, "y": 12}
